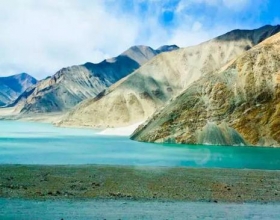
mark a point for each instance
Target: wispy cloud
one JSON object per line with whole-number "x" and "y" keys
{"x": 41, "y": 37}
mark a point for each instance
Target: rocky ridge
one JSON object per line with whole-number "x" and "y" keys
{"x": 12, "y": 86}
{"x": 237, "y": 105}
{"x": 71, "y": 85}
{"x": 137, "y": 96}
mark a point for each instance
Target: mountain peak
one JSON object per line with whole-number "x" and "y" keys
{"x": 13, "y": 86}
{"x": 239, "y": 104}
{"x": 153, "y": 85}
{"x": 139, "y": 52}
{"x": 24, "y": 76}
{"x": 167, "y": 48}
{"x": 138, "y": 47}
{"x": 71, "y": 85}
{"x": 258, "y": 35}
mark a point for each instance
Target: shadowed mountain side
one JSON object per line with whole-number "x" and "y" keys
{"x": 136, "y": 97}
{"x": 239, "y": 103}
{"x": 12, "y": 86}
{"x": 71, "y": 85}
{"x": 258, "y": 36}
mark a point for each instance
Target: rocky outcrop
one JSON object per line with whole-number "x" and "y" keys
{"x": 136, "y": 97}
{"x": 240, "y": 104}
{"x": 71, "y": 85}
{"x": 12, "y": 86}
{"x": 222, "y": 134}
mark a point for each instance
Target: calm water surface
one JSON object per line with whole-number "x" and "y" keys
{"x": 38, "y": 143}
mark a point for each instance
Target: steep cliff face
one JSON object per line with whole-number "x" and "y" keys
{"x": 12, "y": 86}
{"x": 71, "y": 85}
{"x": 240, "y": 104}
{"x": 136, "y": 97}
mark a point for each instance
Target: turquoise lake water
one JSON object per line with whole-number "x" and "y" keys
{"x": 38, "y": 143}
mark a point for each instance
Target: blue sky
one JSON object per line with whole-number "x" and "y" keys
{"x": 40, "y": 37}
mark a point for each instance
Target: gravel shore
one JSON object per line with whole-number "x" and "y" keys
{"x": 111, "y": 209}
{"x": 139, "y": 183}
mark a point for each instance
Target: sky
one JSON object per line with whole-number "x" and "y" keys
{"x": 41, "y": 37}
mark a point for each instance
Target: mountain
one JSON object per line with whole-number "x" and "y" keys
{"x": 12, "y": 86}
{"x": 137, "y": 96}
{"x": 237, "y": 105}
{"x": 71, "y": 85}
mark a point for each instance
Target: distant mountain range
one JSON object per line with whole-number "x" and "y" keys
{"x": 71, "y": 85}
{"x": 236, "y": 105}
{"x": 13, "y": 86}
{"x": 225, "y": 91}
{"x": 137, "y": 96}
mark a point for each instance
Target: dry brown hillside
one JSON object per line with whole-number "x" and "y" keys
{"x": 71, "y": 85}
{"x": 136, "y": 97}
{"x": 240, "y": 104}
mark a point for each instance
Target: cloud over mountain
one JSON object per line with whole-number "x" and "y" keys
{"x": 40, "y": 37}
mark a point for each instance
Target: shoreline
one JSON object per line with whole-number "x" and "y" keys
{"x": 125, "y": 131}
{"x": 121, "y": 131}
{"x": 99, "y": 182}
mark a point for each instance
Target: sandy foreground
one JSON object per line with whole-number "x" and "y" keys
{"x": 139, "y": 183}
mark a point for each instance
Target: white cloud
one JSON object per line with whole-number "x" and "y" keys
{"x": 236, "y": 4}
{"x": 40, "y": 37}
{"x": 196, "y": 26}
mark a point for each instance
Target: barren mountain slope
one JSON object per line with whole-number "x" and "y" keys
{"x": 12, "y": 86}
{"x": 136, "y": 97}
{"x": 71, "y": 85}
{"x": 240, "y": 104}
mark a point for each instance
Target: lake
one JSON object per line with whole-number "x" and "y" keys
{"x": 39, "y": 143}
